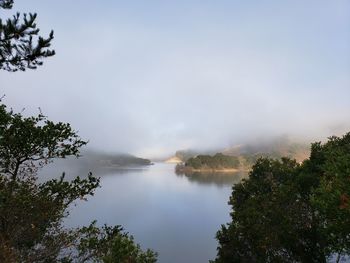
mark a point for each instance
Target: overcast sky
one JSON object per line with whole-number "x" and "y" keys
{"x": 150, "y": 77}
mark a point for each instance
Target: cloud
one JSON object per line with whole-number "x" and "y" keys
{"x": 151, "y": 81}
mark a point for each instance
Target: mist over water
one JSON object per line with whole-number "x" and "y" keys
{"x": 153, "y": 78}
{"x": 150, "y": 78}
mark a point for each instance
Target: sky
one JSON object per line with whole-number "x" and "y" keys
{"x": 153, "y": 77}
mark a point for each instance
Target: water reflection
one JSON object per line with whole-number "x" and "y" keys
{"x": 217, "y": 178}
{"x": 176, "y": 215}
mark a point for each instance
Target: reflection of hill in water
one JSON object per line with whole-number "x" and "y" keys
{"x": 77, "y": 167}
{"x": 216, "y": 178}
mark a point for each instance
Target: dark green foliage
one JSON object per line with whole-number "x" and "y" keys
{"x": 251, "y": 159}
{"x": 31, "y": 212}
{"x": 21, "y": 47}
{"x": 27, "y": 144}
{"x": 286, "y": 212}
{"x": 6, "y": 4}
{"x": 332, "y": 196}
{"x": 111, "y": 245}
{"x": 31, "y": 217}
{"x": 218, "y": 161}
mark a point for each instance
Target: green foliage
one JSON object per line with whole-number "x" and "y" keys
{"x": 332, "y": 197}
{"x": 251, "y": 159}
{"x": 21, "y": 47}
{"x": 31, "y": 217}
{"x": 6, "y": 4}
{"x": 110, "y": 245}
{"x": 27, "y": 144}
{"x": 32, "y": 212}
{"x": 286, "y": 212}
{"x": 218, "y": 161}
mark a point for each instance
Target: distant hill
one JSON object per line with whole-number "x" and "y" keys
{"x": 115, "y": 160}
{"x": 96, "y": 162}
{"x": 274, "y": 148}
{"x": 210, "y": 163}
{"x": 245, "y": 154}
{"x": 184, "y": 155}
{"x": 93, "y": 161}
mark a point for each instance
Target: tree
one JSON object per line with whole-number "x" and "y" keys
{"x": 331, "y": 197}
{"x": 110, "y": 245}
{"x": 32, "y": 211}
{"x": 286, "y": 212}
{"x": 21, "y": 47}
{"x": 27, "y": 144}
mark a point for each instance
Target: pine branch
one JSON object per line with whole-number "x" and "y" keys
{"x": 6, "y": 4}
{"x": 21, "y": 46}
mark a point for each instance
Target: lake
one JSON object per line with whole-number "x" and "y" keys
{"x": 175, "y": 215}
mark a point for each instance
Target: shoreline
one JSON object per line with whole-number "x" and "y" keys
{"x": 226, "y": 170}
{"x": 186, "y": 169}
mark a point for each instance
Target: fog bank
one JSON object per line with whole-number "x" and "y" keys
{"x": 150, "y": 78}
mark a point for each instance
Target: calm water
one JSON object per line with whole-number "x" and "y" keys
{"x": 177, "y": 216}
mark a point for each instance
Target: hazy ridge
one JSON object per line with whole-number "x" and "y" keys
{"x": 243, "y": 156}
